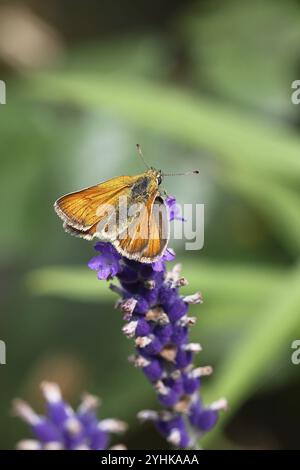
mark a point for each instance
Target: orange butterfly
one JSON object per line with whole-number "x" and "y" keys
{"x": 127, "y": 211}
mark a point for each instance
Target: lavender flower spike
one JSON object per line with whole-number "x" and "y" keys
{"x": 157, "y": 319}
{"x": 63, "y": 428}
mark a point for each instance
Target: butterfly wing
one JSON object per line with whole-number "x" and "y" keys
{"x": 87, "y": 234}
{"x": 146, "y": 238}
{"x": 159, "y": 232}
{"x": 81, "y": 210}
{"x": 141, "y": 235}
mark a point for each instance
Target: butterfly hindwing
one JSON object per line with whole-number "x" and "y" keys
{"x": 147, "y": 236}
{"x": 159, "y": 231}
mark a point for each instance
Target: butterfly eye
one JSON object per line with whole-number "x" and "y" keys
{"x": 159, "y": 179}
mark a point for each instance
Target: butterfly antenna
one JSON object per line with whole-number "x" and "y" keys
{"x": 194, "y": 172}
{"x": 141, "y": 155}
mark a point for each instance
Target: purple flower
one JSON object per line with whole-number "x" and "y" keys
{"x": 107, "y": 263}
{"x": 174, "y": 209}
{"x": 157, "y": 319}
{"x": 159, "y": 266}
{"x": 63, "y": 428}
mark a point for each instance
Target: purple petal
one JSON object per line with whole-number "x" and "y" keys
{"x": 169, "y": 399}
{"x": 106, "y": 248}
{"x": 104, "y": 273}
{"x": 183, "y": 359}
{"x": 164, "y": 333}
{"x": 207, "y": 420}
{"x": 142, "y": 305}
{"x": 154, "y": 347}
{"x": 143, "y": 328}
{"x": 179, "y": 335}
{"x": 174, "y": 209}
{"x": 190, "y": 384}
{"x": 158, "y": 266}
{"x": 46, "y": 432}
{"x": 169, "y": 255}
{"x": 95, "y": 263}
{"x": 98, "y": 439}
{"x": 177, "y": 310}
{"x": 154, "y": 370}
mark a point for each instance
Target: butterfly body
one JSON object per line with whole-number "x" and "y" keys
{"x": 127, "y": 211}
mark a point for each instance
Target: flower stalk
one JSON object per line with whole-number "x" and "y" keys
{"x": 157, "y": 319}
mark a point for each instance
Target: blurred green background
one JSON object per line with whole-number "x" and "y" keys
{"x": 199, "y": 84}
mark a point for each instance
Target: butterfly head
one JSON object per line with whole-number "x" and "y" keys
{"x": 156, "y": 175}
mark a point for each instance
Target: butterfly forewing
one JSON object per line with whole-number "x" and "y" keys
{"x": 82, "y": 209}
